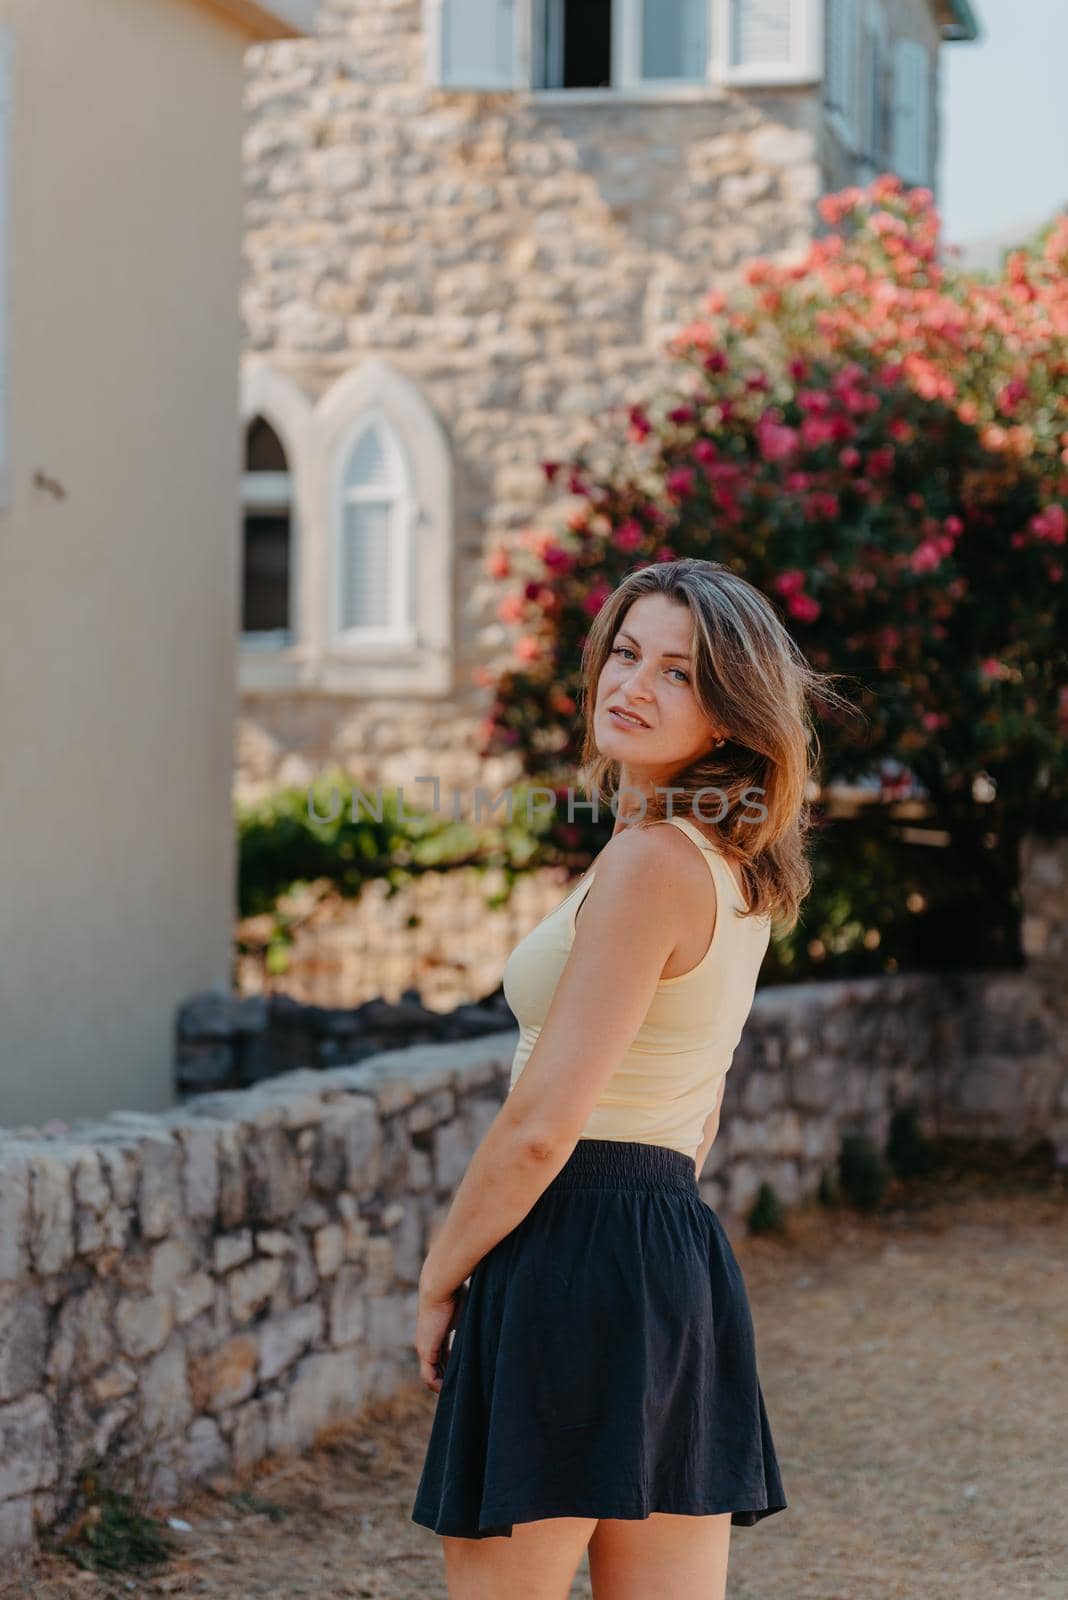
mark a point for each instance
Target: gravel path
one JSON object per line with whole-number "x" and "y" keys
{"x": 915, "y": 1368}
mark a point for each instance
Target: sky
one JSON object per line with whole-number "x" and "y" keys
{"x": 1005, "y": 121}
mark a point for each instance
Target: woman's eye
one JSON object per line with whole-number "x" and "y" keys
{"x": 625, "y": 650}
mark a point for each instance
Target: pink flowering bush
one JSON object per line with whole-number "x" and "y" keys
{"x": 879, "y": 441}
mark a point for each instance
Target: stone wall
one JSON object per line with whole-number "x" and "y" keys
{"x": 182, "y": 1294}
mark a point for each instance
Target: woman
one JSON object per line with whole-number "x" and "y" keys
{"x": 601, "y": 1388}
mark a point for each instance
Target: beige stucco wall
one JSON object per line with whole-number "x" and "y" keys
{"x": 117, "y": 613}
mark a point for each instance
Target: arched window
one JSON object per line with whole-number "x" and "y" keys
{"x": 381, "y": 523}
{"x": 373, "y": 579}
{"x": 267, "y": 503}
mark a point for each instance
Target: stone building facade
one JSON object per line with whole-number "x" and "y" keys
{"x": 471, "y": 226}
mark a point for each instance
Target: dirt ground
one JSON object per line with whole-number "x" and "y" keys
{"x": 915, "y": 1369}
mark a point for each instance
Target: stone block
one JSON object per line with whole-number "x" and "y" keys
{"x": 200, "y": 1169}
{"x": 328, "y": 1386}
{"x": 274, "y": 1185}
{"x": 159, "y": 1194}
{"x": 166, "y": 1403}
{"x": 51, "y": 1213}
{"x": 192, "y": 1296}
{"x": 14, "y": 1214}
{"x": 117, "y": 1381}
{"x": 207, "y": 1453}
{"x": 167, "y": 1263}
{"x": 231, "y": 1177}
{"x": 391, "y": 1323}
{"x": 286, "y": 1337}
{"x": 24, "y": 1319}
{"x": 29, "y": 1447}
{"x": 224, "y": 1377}
{"x": 347, "y": 1309}
{"x": 230, "y": 1250}
{"x": 83, "y": 1340}
{"x": 431, "y": 1110}
{"x": 329, "y": 1246}
{"x": 143, "y": 1324}
{"x": 252, "y": 1286}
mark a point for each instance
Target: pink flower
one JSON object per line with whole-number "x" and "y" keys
{"x": 926, "y": 557}
{"x": 797, "y": 482}
{"x": 681, "y": 414}
{"x": 716, "y": 362}
{"x": 558, "y": 560}
{"x": 497, "y": 564}
{"x": 822, "y": 506}
{"x": 792, "y": 581}
{"x": 640, "y": 425}
{"x": 1050, "y": 525}
{"x": 849, "y": 458}
{"x": 596, "y": 598}
{"x": 816, "y": 431}
{"x": 774, "y": 440}
{"x": 527, "y": 648}
{"x": 704, "y": 451}
{"x": 679, "y": 483}
{"x": 953, "y": 526}
{"x": 803, "y": 607}
{"x": 629, "y": 535}
{"x": 511, "y": 608}
{"x": 1010, "y": 395}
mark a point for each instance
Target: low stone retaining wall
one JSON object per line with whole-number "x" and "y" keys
{"x": 182, "y": 1294}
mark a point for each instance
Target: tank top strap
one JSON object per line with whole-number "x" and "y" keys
{"x": 717, "y": 863}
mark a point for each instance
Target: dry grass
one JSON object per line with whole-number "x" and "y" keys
{"x": 915, "y": 1367}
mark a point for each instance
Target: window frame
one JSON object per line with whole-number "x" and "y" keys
{"x": 401, "y": 632}
{"x": 269, "y": 394}
{"x": 270, "y": 491}
{"x": 531, "y": 22}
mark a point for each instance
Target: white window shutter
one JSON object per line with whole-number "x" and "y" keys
{"x": 477, "y": 44}
{"x": 873, "y": 142}
{"x": 912, "y": 111}
{"x": 368, "y": 576}
{"x": 763, "y": 33}
{"x": 841, "y": 60}
{"x": 365, "y": 578}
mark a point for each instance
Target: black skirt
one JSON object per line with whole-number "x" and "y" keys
{"x": 603, "y": 1362}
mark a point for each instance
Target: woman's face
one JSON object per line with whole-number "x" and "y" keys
{"x": 649, "y": 673}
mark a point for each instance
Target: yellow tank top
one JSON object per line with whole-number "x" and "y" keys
{"x": 666, "y": 1085}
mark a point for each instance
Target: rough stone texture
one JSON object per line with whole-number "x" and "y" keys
{"x": 255, "y": 1272}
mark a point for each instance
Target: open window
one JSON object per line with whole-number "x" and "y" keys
{"x": 620, "y": 44}
{"x": 267, "y": 507}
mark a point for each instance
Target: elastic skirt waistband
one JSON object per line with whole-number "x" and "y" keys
{"x": 625, "y": 1164}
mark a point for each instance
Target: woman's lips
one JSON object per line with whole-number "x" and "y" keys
{"x": 624, "y": 721}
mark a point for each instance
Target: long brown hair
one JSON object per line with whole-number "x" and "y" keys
{"x": 750, "y": 677}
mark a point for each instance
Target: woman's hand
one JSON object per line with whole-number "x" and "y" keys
{"x": 435, "y": 1318}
